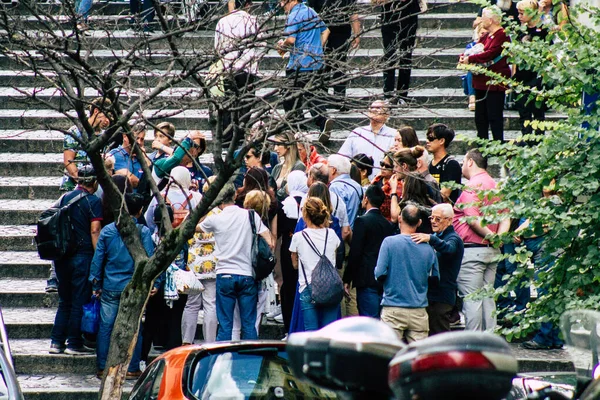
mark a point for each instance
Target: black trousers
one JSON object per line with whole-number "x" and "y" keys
{"x": 439, "y": 317}
{"x": 398, "y": 42}
{"x": 305, "y": 89}
{"x": 528, "y": 111}
{"x": 287, "y": 291}
{"x": 162, "y": 325}
{"x": 144, "y": 7}
{"x": 489, "y": 114}
{"x": 338, "y": 45}
{"x": 240, "y": 86}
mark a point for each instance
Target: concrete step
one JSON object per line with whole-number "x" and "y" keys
{"x": 49, "y": 141}
{"x": 23, "y": 265}
{"x": 125, "y": 39}
{"x": 420, "y": 78}
{"x": 26, "y": 293}
{"x": 35, "y": 322}
{"x": 32, "y": 98}
{"x": 45, "y": 164}
{"x": 422, "y": 58}
{"x": 64, "y": 386}
{"x": 122, "y": 7}
{"x": 32, "y": 187}
{"x": 419, "y": 118}
{"x": 31, "y": 356}
{"x": 17, "y": 238}
{"x": 436, "y": 18}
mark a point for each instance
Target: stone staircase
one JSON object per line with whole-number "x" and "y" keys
{"x": 31, "y": 166}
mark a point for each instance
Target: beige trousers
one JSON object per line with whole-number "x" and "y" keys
{"x": 411, "y": 324}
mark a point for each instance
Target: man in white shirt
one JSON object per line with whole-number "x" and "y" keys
{"x": 374, "y": 139}
{"x": 235, "y": 275}
{"x": 239, "y": 58}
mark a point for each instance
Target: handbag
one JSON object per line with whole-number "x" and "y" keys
{"x": 327, "y": 288}
{"x": 186, "y": 282}
{"x": 90, "y": 321}
{"x": 263, "y": 260}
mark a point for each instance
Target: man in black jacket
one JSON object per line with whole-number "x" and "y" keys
{"x": 369, "y": 232}
{"x": 449, "y": 249}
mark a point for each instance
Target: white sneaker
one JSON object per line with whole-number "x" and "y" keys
{"x": 276, "y": 311}
{"x": 279, "y": 319}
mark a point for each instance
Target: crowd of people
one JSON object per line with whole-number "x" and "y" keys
{"x": 392, "y": 229}
{"x": 406, "y": 241}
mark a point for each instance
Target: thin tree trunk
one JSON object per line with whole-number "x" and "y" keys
{"x": 123, "y": 338}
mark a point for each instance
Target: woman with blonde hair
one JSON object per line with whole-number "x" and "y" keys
{"x": 306, "y": 249}
{"x": 260, "y": 202}
{"x": 287, "y": 150}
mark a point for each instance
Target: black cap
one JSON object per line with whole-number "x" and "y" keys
{"x": 86, "y": 174}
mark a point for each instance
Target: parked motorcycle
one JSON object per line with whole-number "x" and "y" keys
{"x": 362, "y": 358}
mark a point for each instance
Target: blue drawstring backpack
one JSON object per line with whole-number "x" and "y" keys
{"x": 90, "y": 322}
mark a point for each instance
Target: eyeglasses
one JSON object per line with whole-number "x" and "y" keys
{"x": 431, "y": 138}
{"x": 435, "y": 218}
{"x": 384, "y": 165}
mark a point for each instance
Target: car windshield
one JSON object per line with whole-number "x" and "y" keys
{"x": 250, "y": 374}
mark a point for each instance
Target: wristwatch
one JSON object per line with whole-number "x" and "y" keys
{"x": 394, "y": 194}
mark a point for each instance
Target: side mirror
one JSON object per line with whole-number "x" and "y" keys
{"x": 349, "y": 355}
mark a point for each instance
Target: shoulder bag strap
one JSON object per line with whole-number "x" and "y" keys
{"x": 303, "y": 271}
{"x": 76, "y": 199}
{"x": 347, "y": 184}
{"x": 187, "y": 202}
{"x": 252, "y": 222}
{"x": 310, "y": 243}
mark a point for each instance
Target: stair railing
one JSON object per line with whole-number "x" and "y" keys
{"x": 4, "y": 340}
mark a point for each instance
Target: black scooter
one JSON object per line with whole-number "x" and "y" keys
{"x": 362, "y": 358}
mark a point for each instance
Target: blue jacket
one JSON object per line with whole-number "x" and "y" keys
{"x": 112, "y": 265}
{"x": 449, "y": 249}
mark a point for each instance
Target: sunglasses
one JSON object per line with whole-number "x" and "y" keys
{"x": 437, "y": 219}
{"x": 248, "y": 156}
{"x": 431, "y": 138}
{"x": 384, "y": 165}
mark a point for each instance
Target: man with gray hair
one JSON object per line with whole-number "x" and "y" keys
{"x": 375, "y": 139}
{"x": 449, "y": 249}
{"x": 344, "y": 186}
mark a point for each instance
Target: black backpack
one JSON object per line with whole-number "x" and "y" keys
{"x": 327, "y": 288}
{"x": 55, "y": 238}
{"x": 263, "y": 260}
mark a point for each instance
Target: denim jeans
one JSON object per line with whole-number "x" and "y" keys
{"x": 315, "y": 316}
{"x": 74, "y": 291}
{"x": 232, "y": 288}
{"x": 109, "y": 306}
{"x": 369, "y": 302}
{"x": 522, "y": 292}
{"x": 548, "y": 334}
